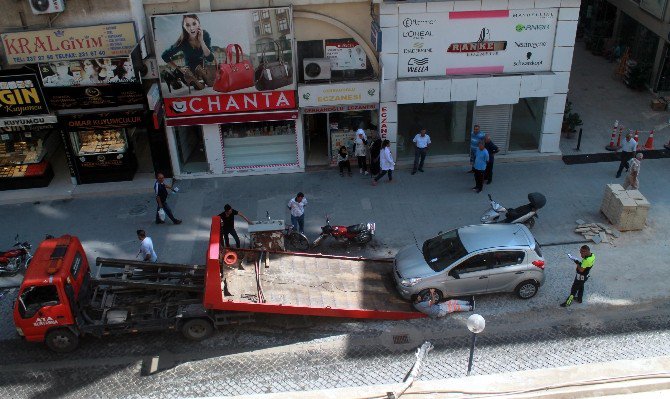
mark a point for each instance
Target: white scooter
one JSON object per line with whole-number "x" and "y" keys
{"x": 525, "y": 214}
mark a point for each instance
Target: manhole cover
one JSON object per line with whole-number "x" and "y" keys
{"x": 400, "y": 339}
{"x": 138, "y": 210}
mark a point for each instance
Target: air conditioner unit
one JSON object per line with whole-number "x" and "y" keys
{"x": 47, "y": 6}
{"x": 316, "y": 68}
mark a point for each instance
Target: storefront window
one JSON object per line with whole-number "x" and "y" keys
{"x": 21, "y": 147}
{"x": 90, "y": 142}
{"x": 448, "y": 125}
{"x": 191, "y": 149}
{"x": 526, "y": 124}
{"x": 259, "y": 144}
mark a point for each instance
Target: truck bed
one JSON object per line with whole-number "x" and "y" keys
{"x": 304, "y": 284}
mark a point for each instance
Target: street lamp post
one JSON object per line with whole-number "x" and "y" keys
{"x": 476, "y": 324}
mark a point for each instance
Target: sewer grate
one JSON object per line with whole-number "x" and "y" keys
{"x": 401, "y": 339}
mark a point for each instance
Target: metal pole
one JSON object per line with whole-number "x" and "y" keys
{"x": 579, "y": 139}
{"x": 472, "y": 352}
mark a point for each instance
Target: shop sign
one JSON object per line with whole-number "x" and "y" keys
{"x": 338, "y": 94}
{"x": 69, "y": 43}
{"x": 477, "y": 42}
{"x": 340, "y": 108}
{"x": 88, "y": 72}
{"x": 383, "y": 123}
{"x": 21, "y": 95}
{"x": 261, "y": 52}
{"x": 229, "y": 103}
{"x": 94, "y": 97}
{"x": 28, "y": 121}
{"x": 103, "y": 120}
{"x": 345, "y": 54}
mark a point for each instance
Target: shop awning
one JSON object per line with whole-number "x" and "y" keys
{"x": 232, "y": 118}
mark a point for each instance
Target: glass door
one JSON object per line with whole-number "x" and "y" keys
{"x": 191, "y": 149}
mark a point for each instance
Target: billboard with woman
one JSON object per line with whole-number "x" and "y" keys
{"x": 224, "y": 52}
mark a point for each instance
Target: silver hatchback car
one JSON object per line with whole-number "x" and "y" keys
{"x": 470, "y": 260}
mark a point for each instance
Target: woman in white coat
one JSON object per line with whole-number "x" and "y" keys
{"x": 386, "y": 162}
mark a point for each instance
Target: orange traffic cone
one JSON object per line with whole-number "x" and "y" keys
{"x": 618, "y": 139}
{"x": 649, "y": 145}
{"x": 611, "y": 146}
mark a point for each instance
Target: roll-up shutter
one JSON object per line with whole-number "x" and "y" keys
{"x": 495, "y": 120}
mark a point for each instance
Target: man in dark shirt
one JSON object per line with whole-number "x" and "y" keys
{"x": 492, "y": 149}
{"x": 160, "y": 189}
{"x": 228, "y": 224}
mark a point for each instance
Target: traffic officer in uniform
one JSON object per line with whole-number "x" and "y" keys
{"x": 583, "y": 268}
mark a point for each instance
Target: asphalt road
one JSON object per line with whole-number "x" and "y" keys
{"x": 625, "y": 314}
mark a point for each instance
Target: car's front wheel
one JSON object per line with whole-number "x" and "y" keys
{"x": 527, "y": 289}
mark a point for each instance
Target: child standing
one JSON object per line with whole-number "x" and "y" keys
{"x": 343, "y": 160}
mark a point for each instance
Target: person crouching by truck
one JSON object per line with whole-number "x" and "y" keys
{"x": 429, "y": 305}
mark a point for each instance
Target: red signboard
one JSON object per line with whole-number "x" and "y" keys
{"x": 383, "y": 126}
{"x": 229, "y": 103}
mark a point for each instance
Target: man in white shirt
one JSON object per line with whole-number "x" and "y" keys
{"x": 628, "y": 148}
{"x": 421, "y": 143}
{"x": 146, "y": 253}
{"x": 297, "y": 207}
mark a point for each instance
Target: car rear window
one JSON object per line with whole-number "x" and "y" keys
{"x": 537, "y": 249}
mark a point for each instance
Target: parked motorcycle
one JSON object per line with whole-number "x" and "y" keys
{"x": 13, "y": 260}
{"x": 358, "y": 233}
{"x": 525, "y": 214}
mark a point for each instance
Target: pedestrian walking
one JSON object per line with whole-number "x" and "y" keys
{"x": 360, "y": 152}
{"x": 583, "y": 269}
{"x": 343, "y": 161}
{"x": 386, "y": 162}
{"x": 479, "y": 165}
{"x": 421, "y": 142}
{"x": 475, "y": 137}
{"x": 297, "y": 207}
{"x": 628, "y": 148}
{"x": 632, "y": 180}
{"x": 492, "y": 149}
{"x": 161, "y": 191}
{"x": 429, "y": 305}
{"x": 228, "y": 224}
{"x": 146, "y": 252}
{"x": 375, "y": 151}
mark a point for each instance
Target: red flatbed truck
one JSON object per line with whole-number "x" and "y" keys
{"x": 59, "y": 301}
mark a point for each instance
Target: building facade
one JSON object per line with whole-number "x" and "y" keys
{"x": 279, "y": 89}
{"x": 503, "y": 65}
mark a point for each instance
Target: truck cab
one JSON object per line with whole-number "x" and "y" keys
{"x": 46, "y": 309}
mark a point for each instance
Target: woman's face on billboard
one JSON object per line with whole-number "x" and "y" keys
{"x": 191, "y": 26}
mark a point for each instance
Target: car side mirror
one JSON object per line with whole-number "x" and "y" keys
{"x": 454, "y": 274}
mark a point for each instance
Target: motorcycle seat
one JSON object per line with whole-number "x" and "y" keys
{"x": 515, "y": 213}
{"x": 357, "y": 228}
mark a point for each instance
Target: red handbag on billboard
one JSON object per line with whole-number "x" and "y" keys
{"x": 236, "y": 73}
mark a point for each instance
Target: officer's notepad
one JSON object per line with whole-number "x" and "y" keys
{"x": 573, "y": 258}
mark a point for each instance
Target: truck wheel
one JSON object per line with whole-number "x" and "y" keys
{"x": 197, "y": 329}
{"x": 62, "y": 340}
{"x": 526, "y": 289}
